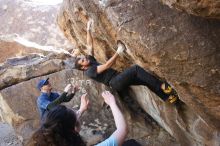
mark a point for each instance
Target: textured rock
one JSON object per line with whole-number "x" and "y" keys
{"x": 204, "y": 8}
{"x": 8, "y": 136}
{"x": 16, "y": 70}
{"x": 182, "y": 49}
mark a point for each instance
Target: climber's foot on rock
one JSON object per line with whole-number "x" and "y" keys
{"x": 172, "y": 99}
{"x": 167, "y": 89}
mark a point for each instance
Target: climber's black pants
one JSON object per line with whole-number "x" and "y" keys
{"x": 136, "y": 75}
{"x": 131, "y": 142}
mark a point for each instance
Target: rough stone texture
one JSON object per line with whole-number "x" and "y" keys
{"x": 203, "y": 8}
{"x": 182, "y": 49}
{"x": 8, "y": 136}
{"x": 19, "y": 109}
{"x": 16, "y": 70}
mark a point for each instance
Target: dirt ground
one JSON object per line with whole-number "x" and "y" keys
{"x": 8, "y": 136}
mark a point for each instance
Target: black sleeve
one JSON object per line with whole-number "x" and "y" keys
{"x": 92, "y": 58}
{"x": 57, "y": 101}
{"x": 69, "y": 97}
{"x": 92, "y": 71}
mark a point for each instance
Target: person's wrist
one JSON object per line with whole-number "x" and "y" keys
{"x": 78, "y": 113}
{"x": 113, "y": 104}
{"x": 88, "y": 29}
{"x": 66, "y": 90}
{"x": 73, "y": 92}
{"x": 81, "y": 110}
{"x": 118, "y": 52}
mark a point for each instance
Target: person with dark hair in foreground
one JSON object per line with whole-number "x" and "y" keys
{"x": 48, "y": 99}
{"x": 120, "y": 81}
{"x": 60, "y": 127}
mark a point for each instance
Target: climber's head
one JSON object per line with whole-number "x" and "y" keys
{"x": 44, "y": 86}
{"x": 62, "y": 117}
{"x": 58, "y": 128}
{"x": 82, "y": 63}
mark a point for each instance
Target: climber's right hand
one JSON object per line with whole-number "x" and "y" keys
{"x": 121, "y": 48}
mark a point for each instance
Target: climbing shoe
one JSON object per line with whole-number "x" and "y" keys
{"x": 166, "y": 88}
{"x": 172, "y": 99}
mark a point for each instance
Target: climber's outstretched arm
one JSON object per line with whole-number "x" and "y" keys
{"x": 112, "y": 60}
{"x": 89, "y": 38}
{"x": 108, "y": 64}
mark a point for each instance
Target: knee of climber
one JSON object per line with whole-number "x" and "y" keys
{"x": 135, "y": 66}
{"x": 115, "y": 86}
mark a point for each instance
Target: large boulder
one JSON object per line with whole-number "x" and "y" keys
{"x": 16, "y": 70}
{"x": 182, "y": 49}
{"x": 203, "y": 8}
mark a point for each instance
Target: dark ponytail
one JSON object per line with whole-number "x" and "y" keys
{"x": 58, "y": 129}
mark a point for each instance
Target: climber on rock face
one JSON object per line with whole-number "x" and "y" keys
{"x": 47, "y": 100}
{"x": 120, "y": 81}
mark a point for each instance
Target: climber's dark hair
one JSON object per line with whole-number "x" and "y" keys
{"x": 57, "y": 129}
{"x": 77, "y": 65}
